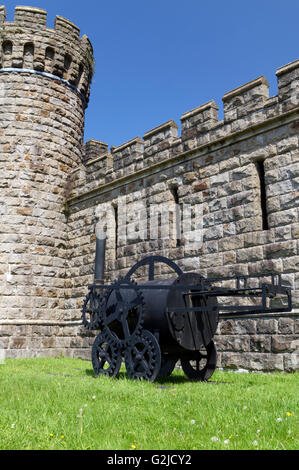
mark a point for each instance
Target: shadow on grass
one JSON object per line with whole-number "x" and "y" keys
{"x": 183, "y": 379}
{"x": 166, "y": 382}
{"x": 90, "y": 373}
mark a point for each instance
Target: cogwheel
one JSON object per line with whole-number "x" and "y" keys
{"x": 143, "y": 357}
{"x": 91, "y": 310}
{"x": 123, "y": 312}
{"x": 106, "y": 357}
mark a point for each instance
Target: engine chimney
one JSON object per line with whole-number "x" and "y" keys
{"x": 100, "y": 256}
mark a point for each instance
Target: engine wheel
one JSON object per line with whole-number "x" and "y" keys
{"x": 143, "y": 357}
{"x": 167, "y": 366}
{"x": 203, "y": 365}
{"x": 105, "y": 356}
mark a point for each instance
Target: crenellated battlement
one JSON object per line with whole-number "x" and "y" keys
{"x": 244, "y": 109}
{"x": 27, "y": 44}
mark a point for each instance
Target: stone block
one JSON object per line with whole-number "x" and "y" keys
{"x": 286, "y": 326}
{"x": 231, "y": 243}
{"x": 281, "y": 344}
{"x": 280, "y": 249}
{"x": 260, "y": 343}
{"x": 233, "y": 343}
{"x": 267, "y": 326}
{"x": 249, "y": 255}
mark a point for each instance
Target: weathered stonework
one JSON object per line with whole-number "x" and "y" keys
{"x": 44, "y": 88}
{"x": 54, "y": 192}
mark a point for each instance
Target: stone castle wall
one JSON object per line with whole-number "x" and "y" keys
{"x": 238, "y": 178}
{"x": 213, "y": 166}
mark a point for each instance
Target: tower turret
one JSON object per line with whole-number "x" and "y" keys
{"x": 45, "y": 77}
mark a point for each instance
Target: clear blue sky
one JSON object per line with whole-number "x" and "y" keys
{"x": 156, "y": 59}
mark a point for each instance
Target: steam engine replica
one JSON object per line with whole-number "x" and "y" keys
{"x": 154, "y": 324}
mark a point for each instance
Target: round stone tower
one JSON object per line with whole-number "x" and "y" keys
{"x": 45, "y": 77}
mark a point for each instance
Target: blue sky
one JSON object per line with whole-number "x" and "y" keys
{"x": 157, "y": 59}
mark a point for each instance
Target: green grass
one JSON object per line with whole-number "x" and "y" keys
{"x": 58, "y": 404}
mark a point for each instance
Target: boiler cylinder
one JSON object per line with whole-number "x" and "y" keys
{"x": 170, "y": 313}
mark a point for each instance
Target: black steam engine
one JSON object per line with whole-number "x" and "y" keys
{"x": 154, "y": 324}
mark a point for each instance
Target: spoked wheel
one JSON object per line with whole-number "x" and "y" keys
{"x": 106, "y": 357}
{"x": 143, "y": 357}
{"x": 167, "y": 366}
{"x": 151, "y": 262}
{"x": 203, "y": 365}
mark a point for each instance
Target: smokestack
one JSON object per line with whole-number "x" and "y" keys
{"x": 99, "y": 267}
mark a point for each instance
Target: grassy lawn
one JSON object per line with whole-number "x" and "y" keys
{"x": 58, "y": 404}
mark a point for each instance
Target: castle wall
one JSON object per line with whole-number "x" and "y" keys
{"x": 213, "y": 170}
{"x": 218, "y": 197}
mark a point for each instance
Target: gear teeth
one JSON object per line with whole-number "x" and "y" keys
{"x": 123, "y": 343}
{"x": 93, "y": 323}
